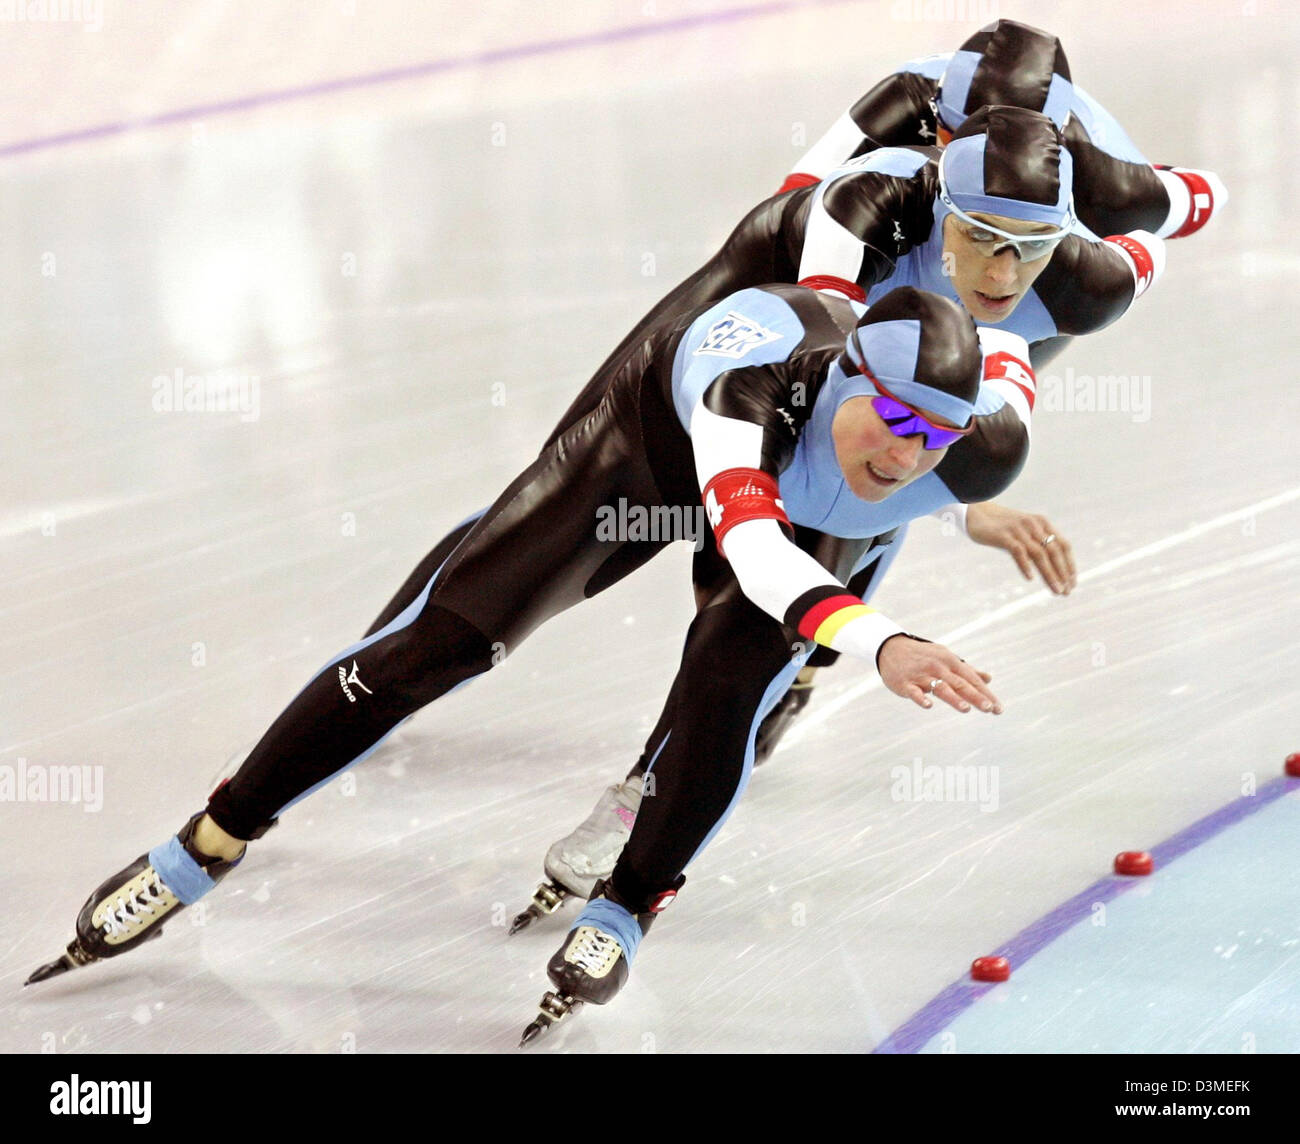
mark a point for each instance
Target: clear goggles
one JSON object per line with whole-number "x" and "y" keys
{"x": 989, "y": 240}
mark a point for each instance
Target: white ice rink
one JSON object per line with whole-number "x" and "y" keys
{"x": 413, "y": 271}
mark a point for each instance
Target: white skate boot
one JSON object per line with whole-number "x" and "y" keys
{"x": 578, "y": 861}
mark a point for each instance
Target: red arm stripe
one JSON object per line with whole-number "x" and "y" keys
{"x": 850, "y": 290}
{"x": 813, "y": 617}
{"x": 797, "y": 180}
{"x": 1142, "y": 260}
{"x": 737, "y": 495}
{"x": 1202, "y": 203}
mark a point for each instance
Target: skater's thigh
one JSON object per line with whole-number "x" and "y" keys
{"x": 733, "y": 650}
{"x": 546, "y": 542}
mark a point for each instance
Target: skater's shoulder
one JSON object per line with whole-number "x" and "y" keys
{"x": 758, "y": 317}
{"x": 1086, "y": 286}
{"x": 931, "y": 66}
{"x": 896, "y": 162}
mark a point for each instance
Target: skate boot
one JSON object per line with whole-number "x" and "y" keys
{"x": 575, "y": 862}
{"x": 778, "y": 720}
{"x": 131, "y": 907}
{"x": 593, "y": 963}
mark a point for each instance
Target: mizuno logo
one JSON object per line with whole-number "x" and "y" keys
{"x": 345, "y": 678}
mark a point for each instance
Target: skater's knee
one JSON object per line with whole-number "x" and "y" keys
{"x": 428, "y": 657}
{"x": 730, "y": 674}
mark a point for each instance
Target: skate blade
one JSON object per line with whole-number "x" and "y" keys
{"x": 548, "y": 898}
{"x": 72, "y": 958}
{"x": 53, "y": 969}
{"x": 552, "y": 1010}
{"x": 524, "y": 920}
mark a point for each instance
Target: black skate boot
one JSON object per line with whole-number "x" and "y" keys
{"x": 593, "y": 963}
{"x": 778, "y": 720}
{"x": 130, "y": 908}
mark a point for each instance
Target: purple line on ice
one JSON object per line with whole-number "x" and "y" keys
{"x": 411, "y": 71}
{"x": 936, "y": 1015}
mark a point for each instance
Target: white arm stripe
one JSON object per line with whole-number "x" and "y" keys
{"x": 772, "y": 571}
{"x": 1014, "y": 395}
{"x": 843, "y": 138}
{"x": 1180, "y": 203}
{"x": 829, "y": 250}
{"x": 1155, "y": 248}
{"x": 722, "y": 443}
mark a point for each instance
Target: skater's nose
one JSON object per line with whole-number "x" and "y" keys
{"x": 1002, "y": 268}
{"x": 904, "y": 453}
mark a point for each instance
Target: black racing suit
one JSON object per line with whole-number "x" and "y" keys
{"x": 536, "y": 551}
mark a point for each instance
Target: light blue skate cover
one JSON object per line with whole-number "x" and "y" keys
{"x": 183, "y": 876}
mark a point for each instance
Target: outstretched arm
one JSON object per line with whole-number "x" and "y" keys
{"x": 1031, "y": 540}
{"x": 1116, "y": 190}
{"x": 744, "y": 507}
{"x": 863, "y": 217}
{"x": 894, "y": 113}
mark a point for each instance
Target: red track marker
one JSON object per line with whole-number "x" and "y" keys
{"x": 990, "y": 969}
{"x": 1134, "y": 862}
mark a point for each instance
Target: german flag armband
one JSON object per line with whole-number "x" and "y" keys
{"x": 841, "y": 621}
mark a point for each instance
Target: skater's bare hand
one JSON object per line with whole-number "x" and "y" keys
{"x": 1023, "y": 534}
{"x": 922, "y": 672}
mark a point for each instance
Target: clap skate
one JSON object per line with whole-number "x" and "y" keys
{"x": 131, "y": 907}
{"x": 575, "y": 863}
{"x": 593, "y": 963}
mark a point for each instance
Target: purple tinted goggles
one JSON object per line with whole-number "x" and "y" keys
{"x": 904, "y": 421}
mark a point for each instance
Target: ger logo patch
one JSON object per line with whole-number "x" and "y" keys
{"x": 734, "y": 336}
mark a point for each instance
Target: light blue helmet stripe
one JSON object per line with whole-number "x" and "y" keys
{"x": 892, "y": 350}
{"x": 1059, "y": 98}
{"x": 954, "y": 88}
{"x": 961, "y": 181}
